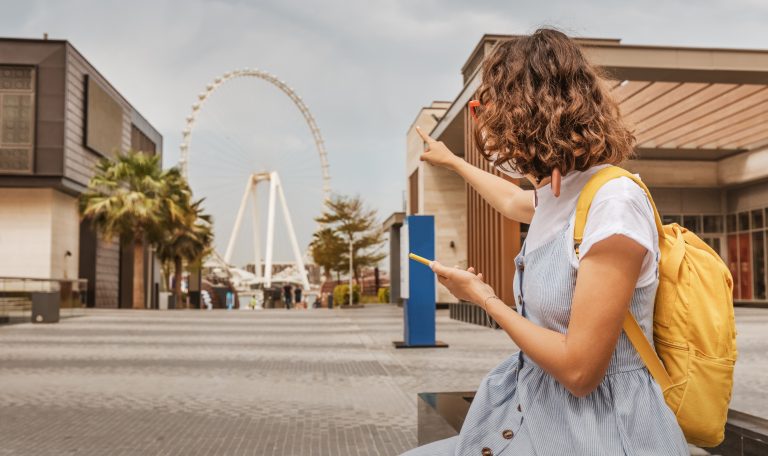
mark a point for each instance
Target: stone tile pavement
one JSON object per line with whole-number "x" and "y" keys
{"x": 272, "y": 382}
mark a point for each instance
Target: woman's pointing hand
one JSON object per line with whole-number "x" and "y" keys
{"x": 435, "y": 152}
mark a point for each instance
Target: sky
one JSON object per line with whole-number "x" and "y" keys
{"x": 364, "y": 69}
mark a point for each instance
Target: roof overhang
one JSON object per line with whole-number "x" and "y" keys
{"x": 684, "y": 104}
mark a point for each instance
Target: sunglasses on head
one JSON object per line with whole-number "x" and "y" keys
{"x": 473, "y": 105}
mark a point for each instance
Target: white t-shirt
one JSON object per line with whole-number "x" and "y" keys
{"x": 619, "y": 207}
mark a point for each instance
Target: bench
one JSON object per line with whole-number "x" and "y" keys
{"x": 441, "y": 415}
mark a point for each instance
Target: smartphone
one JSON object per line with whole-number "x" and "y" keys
{"x": 420, "y": 259}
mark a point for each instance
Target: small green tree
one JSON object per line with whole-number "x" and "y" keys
{"x": 357, "y": 225}
{"x": 327, "y": 249}
{"x": 341, "y": 294}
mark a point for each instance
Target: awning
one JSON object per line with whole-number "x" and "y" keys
{"x": 702, "y": 108}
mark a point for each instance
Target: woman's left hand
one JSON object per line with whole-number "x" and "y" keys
{"x": 465, "y": 285}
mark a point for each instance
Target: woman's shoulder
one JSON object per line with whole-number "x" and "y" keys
{"x": 622, "y": 189}
{"x": 621, "y": 206}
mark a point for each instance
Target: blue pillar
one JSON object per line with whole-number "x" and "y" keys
{"x": 419, "y": 283}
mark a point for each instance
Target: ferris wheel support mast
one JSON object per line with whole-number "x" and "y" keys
{"x": 275, "y": 191}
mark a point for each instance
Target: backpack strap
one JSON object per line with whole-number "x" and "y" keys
{"x": 588, "y": 194}
{"x": 630, "y": 326}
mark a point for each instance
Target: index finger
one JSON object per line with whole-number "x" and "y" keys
{"x": 424, "y": 136}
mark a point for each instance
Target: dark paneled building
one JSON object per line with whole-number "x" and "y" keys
{"x": 58, "y": 117}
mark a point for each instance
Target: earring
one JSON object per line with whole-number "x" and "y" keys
{"x": 556, "y": 182}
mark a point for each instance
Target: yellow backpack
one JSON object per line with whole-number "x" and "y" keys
{"x": 693, "y": 324}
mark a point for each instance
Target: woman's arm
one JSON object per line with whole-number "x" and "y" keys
{"x": 579, "y": 359}
{"x": 509, "y": 199}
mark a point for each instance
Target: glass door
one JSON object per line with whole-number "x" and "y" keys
{"x": 745, "y": 266}
{"x": 733, "y": 262}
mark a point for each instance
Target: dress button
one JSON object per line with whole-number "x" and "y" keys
{"x": 519, "y": 408}
{"x": 519, "y": 299}
{"x": 507, "y": 434}
{"x": 487, "y": 452}
{"x": 521, "y": 266}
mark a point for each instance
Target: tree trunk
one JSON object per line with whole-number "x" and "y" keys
{"x": 138, "y": 275}
{"x": 177, "y": 270}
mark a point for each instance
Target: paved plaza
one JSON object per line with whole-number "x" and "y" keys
{"x": 271, "y": 382}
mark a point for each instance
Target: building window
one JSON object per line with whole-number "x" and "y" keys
{"x": 743, "y": 221}
{"x": 668, "y": 218}
{"x": 103, "y": 120}
{"x": 757, "y": 218}
{"x": 745, "y": 265}
{"x": 733, "y": 262}
{"x": 758, "y": 264}
{"x": 713, "y": 242}
{"x": 141, "y": 142}
{"x": 692, "y": 222}
{"x": 17, "y": 118}
{"x": 413, "y": 192}
{"x": 712, "y": 224}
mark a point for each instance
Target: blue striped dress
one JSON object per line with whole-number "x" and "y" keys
{"x": 520, "y": 409}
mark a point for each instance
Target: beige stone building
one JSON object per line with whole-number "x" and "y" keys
{"x": 700, "y": 116}
{"x": 439, "y": 192}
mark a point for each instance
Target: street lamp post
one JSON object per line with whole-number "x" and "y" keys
{"x": 351, "y": 273}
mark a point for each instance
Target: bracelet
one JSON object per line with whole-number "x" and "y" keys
{"x": 485, "y": 309}
{"x": 485, "y": 301}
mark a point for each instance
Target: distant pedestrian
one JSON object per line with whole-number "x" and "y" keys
{"x": 297, "y": 297}
{"x": 207, "y": 299}
{"x": 287, "y": 298}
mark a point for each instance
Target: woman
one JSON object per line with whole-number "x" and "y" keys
{"x": 577, "y": 386}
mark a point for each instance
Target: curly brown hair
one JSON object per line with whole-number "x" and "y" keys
{"x": 545, "y": 107}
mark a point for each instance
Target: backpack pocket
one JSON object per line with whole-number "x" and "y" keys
{"x": 676, "y": 361}
{"x": 703, "y": 408}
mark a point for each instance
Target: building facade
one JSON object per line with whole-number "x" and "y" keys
{"x": 58, "y": 117}
{"x": 699, "y": 116}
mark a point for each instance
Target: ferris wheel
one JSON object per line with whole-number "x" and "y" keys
{"x": 227, "y": 163}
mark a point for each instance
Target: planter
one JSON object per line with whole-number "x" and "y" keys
{"x": 164, "y": 299}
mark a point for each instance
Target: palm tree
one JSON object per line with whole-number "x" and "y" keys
{"x": 132, "y": 198}
{"x": 188, "y": 239}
